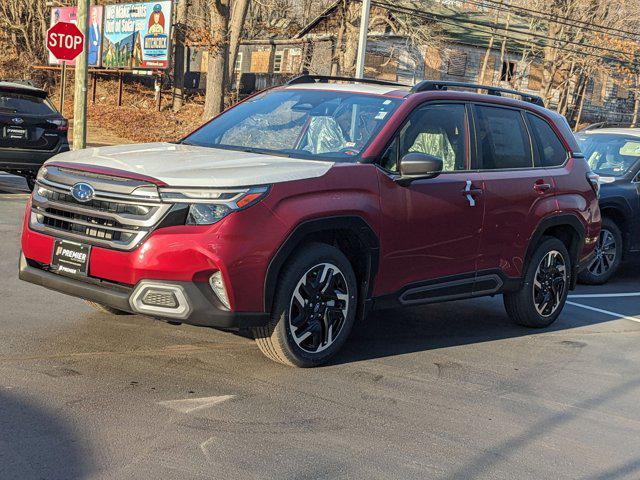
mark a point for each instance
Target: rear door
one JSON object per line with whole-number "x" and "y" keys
{"x": 518, "y": 194}
{"x": 28, "y": 122}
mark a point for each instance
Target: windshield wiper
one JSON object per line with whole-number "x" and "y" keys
{"x": 261, "y": 151}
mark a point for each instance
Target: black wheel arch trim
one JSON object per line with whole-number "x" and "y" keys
{"x": 353, "y": 223}
{"x": 560, "y": 221}
{"x": 621, "y": 207}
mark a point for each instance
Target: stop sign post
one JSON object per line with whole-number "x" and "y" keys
{"x": 65, "y": 41}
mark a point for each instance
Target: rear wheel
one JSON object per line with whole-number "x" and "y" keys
{"x": 546, "y": 286}
{"x": 106, "y": 309}
{"x": 314, "y": 308}
{"x": 608, "y": 255}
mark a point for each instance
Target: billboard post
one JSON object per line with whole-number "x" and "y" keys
{"x": 80, "y": 98}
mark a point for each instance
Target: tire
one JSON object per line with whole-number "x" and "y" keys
{"x": 608, "y": 256}
{"x": 302, "y": 334}
{"x": 106, "y": 309}
{"x": 546, "y": 285}
{"x": 31, "y": 183}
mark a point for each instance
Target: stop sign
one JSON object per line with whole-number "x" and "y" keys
{"x": 65, "y": 41}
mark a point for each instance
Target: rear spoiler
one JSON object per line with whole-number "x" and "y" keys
{"x": 22, "y": 89}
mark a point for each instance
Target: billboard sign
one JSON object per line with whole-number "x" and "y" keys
{"x": 137, "y": 35}
{"x": 69, "y": 15}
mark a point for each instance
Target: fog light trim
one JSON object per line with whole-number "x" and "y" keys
{"x": 216, "y": 282}
{"x": 149, "y": 289}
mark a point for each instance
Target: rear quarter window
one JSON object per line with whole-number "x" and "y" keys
{"x": 551, "y": 151}
{"x": 18, "y": 103}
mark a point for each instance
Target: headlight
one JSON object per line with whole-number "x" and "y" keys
{"x": 208, "y": 206}
{"x": 41, "y": 173}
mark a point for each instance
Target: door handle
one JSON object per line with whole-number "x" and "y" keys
{"x": 470, "y": 193}
{"x": 541, "y": 187}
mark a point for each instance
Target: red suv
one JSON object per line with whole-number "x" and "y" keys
{"x": 297, "y": 211}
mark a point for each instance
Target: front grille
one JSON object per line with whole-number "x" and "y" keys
{"x": 111, "y": 220}
{"x": 99, "y": 205}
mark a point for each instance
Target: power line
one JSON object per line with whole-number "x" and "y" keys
{"x": 511, "y": 9}
{"x": 518, "y": 11}
{"x": 447, "y": 20}
{"x": 550, "y": 17}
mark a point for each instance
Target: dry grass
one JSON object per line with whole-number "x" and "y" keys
{"x": 138, "y": 120}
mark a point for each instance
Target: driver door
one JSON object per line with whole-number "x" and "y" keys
{"x": 431, "y": 227}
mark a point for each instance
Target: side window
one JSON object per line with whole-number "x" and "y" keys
{"x": 503, "y": 141}
{"x": 389, "y": 160}
{"x": 551, "y": 150}
{"x": 438, "y": 130}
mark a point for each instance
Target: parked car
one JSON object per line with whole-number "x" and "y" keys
{"x": 303, "y": 208}
{"x": 614, "y": 154}
{"x": 31, "y": 130}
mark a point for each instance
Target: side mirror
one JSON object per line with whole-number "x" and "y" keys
{"x": 419, "y": 165}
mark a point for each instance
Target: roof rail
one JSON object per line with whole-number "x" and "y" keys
{"x": 430, "y": 85}
{"x": 595, "y": 126}
{"x": 325, "y": 79}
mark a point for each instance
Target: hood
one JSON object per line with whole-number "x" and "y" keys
{"x": 191, "y": 166}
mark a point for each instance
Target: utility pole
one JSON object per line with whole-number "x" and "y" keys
{"x": 362, "y": 41}
{"x": 80, "y": 96}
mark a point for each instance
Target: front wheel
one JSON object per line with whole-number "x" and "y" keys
{"x": 546, "y": 286}
{"x": 314, "y": 308}
{"x": 31, "y": 182}
{"x": 608, "y": 256}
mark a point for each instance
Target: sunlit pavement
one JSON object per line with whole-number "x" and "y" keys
{"x": 443, "y": 391}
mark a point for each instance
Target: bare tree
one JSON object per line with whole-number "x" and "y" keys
{"x": 23, "y": 26}
{"x": 218, "y": 56}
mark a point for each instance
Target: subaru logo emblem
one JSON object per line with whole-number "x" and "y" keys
{"x": 83, "y": 192}
{"x": 17, "y": 120}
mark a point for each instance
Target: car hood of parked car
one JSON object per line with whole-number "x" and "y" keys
{"x": 191, "y": 166}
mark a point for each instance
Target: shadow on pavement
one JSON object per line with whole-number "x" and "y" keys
{"x": 11, "y": 184}
{"x": 34, "y": 444}
{"x": 387, "y": 333}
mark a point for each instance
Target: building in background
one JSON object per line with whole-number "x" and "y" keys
{"x": 460, "y": 48}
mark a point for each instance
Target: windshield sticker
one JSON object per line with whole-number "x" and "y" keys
{"x": 381, "y": 115}
{"x": 631, "y": 148}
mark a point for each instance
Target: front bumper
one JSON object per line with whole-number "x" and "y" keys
{"x": 204, "y": 308}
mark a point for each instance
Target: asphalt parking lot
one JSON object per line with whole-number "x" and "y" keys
{"x": 443, "y": 391}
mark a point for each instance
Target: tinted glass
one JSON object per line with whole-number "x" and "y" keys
{"x": 610, "y": 154}
{"x": 24, "y": 104}
{"x": 503, "y": 141}
{"x": 438, "y": 130}
{"x": 314, "y": 124}
{"x": 550, "y": 148}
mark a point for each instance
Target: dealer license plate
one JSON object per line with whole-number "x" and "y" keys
{"x": 70, "y": 258}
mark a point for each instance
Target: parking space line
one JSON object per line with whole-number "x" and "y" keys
{"x": 606, "y": 295}
{"x": 605, "y": 312}
{"x": 189, "y": 405}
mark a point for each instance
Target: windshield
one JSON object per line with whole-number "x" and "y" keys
{"x": 610, "y": 155}
{"x": 313, "y": 124}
